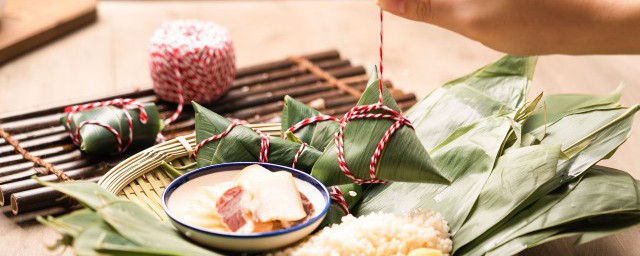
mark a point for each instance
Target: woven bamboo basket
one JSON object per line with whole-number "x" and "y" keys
{"x": 140, "y": 178}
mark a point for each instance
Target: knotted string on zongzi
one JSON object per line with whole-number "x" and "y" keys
{"x": 112, "y": 117}
{"x": 338, "y": 197}
{"x": 123, "y": 103}
{"x": 362, "y": 112}
{"x": 264, "y": 145}
{"x": 295, "y": 158}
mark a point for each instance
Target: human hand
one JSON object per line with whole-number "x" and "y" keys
{"x": 533, "y": 27}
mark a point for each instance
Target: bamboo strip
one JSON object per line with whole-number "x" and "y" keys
{"x": 31, "y": 172}
{"x": 6, "y": 190}
{"x": 286, "y": 73}
{"x": 39, "y": 198}
{"x": 12, "y": 169}
{"x": 236, "y": 94}
{"x": 47, "y": 152}
{"x": 330, "y": 54}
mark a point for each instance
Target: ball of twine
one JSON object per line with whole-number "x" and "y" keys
{"x": 191, "y": 60}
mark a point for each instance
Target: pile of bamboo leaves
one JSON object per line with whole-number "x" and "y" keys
{"x": 507, "y": 174}
{"x": 523, "y": 173}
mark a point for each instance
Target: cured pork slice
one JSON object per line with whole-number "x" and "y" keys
{"x": 230, "y": 209}
{"x": 263, "y": 201}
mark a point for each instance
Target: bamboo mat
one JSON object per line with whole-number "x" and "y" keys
{"x": 256, "y": 96}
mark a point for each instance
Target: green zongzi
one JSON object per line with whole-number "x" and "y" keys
{"x": 111, "y": 127}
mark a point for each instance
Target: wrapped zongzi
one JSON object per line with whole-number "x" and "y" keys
{"x": 220, "y": 141}
{"x": 111, "y": 127}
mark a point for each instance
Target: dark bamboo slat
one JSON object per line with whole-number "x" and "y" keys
{"x": 31, "y": 172}
{"x": 8, "y": 170}
{"x": 29, "y": 217}
{"x": 40, "y": 198}
{"x": 6, "y": 190}
{"x": 236, "y": 94}
{"x": 274, "y": 65}
{"x": 16, "y": 158}
{"x": 286, "y": 73}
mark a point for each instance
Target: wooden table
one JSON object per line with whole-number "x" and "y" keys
{"x": 111, "y": 56}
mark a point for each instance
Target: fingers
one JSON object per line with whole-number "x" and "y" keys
{"x": 419, "y": 10}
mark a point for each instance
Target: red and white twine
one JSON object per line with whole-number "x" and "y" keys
{"x": 337, "y": 196}
{"x": 364, "y": 112}
{"x": 308, "y": 121}
{"x": 300, "y": 150}
{"x": 264, "y": 142}
{"x": 191, "y": 60}
{"x": 358, "y": 112}
{"x": 122, "y": 103}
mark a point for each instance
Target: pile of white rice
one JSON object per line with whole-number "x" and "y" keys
{"x": 378, "y": 234}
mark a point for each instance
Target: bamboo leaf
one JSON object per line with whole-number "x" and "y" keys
{"x": 583, "y": 231}
{"x": 98, "y": 140}
{"x": 600, "y": 193}
{"x": 593, "y": 231}
{"x": 605, "y": 130}
{"x": 403, "y": 159}
{"x": 499, "y": 88}
{"x": 93, "y": 235}
{"x": 453, "y": 119}
{"x": 515, "y": 178}
{"x": 138, "y": 225}
{"x": 560, "y": 105}
{"x": 129, "y": 222}
{"x": 467, "y": 158}
{"x": 243, "y": 144}
{"x": 85, "y": 192}
{"x": 318, "y": 135}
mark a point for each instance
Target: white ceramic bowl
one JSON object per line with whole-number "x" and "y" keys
{"x": 180, "y": 190}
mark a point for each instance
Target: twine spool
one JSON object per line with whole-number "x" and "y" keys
{"x": 191, "y": 60}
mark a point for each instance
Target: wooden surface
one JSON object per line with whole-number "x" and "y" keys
{"x": 27, "y": 24}
{"x": 110, "y": 56}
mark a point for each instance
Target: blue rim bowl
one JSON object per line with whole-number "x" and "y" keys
{"x": 235, "y": 166}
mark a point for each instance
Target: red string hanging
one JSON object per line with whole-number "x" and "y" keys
{"x": 358, "y": 112}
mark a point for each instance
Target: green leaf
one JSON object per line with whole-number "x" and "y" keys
{"x": 499, "y": 88}
{"x": 467, "y": 158}
{"x": 605, "y": 130}
{"x": 138, "y": 225}
{"x": 583, "y": 231}
{"x": 87, "y": 193}
{"x": 242, "y": 144}
{"x": 517, "y": 175}
{"x": 403, "y": 159}
{"x": 98, "y": 140}
{"x": 600, "y": 193}
{"x": 318, "y": 135}
{"x": 127, "y": 220}
{"x": 352, "y": 194}
{"x": 92, "y": 236}
{"x": 554, "y": 107}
